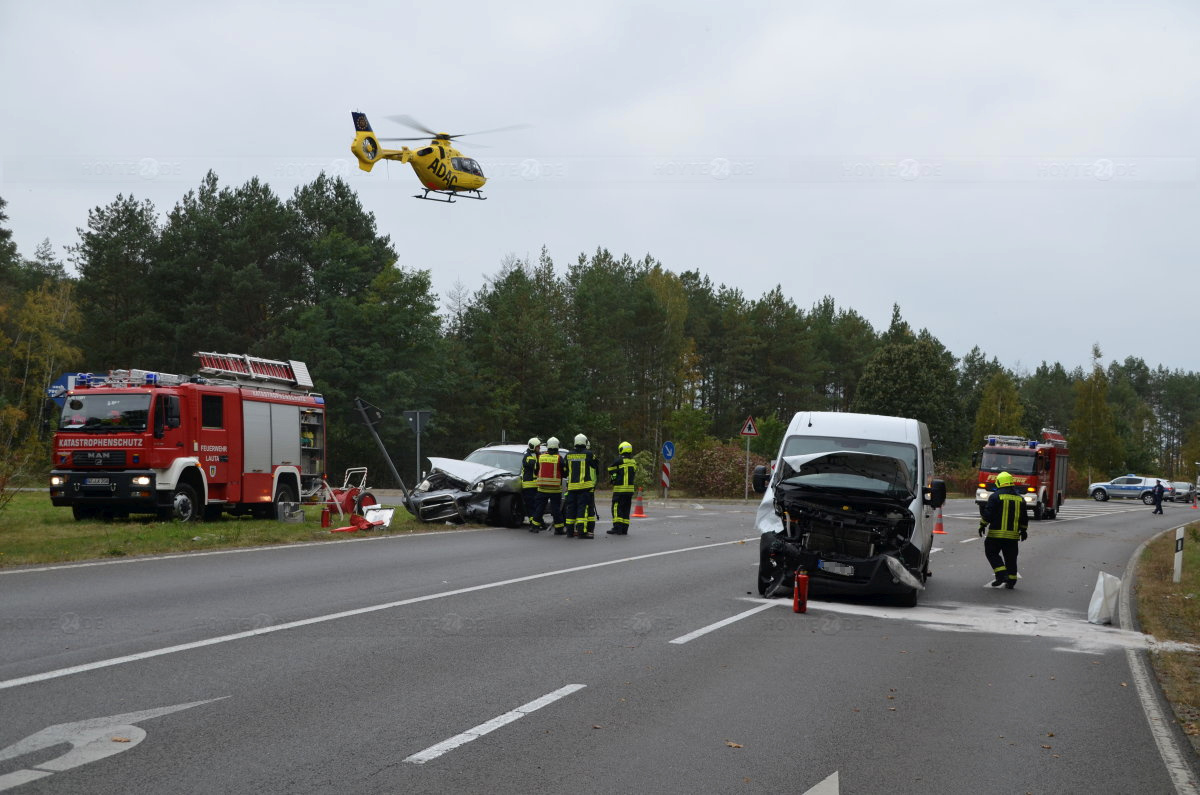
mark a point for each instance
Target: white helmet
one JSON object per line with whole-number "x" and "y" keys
{"x": 552, "y": 443}
{"x": 580, "y": 440}
{"x": 534, "y": 442}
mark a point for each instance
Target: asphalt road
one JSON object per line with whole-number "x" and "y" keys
{"x": 502, "y": 661}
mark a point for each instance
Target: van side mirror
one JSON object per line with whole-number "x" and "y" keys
{"x": 172, "y": 411}
{"x": 935, "y": 493}
{"x": 760, "y": 478}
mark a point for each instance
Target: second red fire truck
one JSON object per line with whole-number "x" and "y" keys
{"x": 1038, "y": 467}
{"x": 243, "y": 436}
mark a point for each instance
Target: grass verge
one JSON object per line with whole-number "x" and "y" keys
{"x": 34, "y": 531}
{"x": 1171, "y": 611}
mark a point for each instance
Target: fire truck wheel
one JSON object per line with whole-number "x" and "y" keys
{"x": 184, "y": 505}
{"x": 364, "y": 501}
{"x": 84, "y": 512}
{"x": 1039, "y": 511}
{"x": 284, "y": 493}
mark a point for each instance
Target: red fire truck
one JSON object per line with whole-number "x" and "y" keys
{"x": 246, "y": 434}
{"x": 1038, "y": 467}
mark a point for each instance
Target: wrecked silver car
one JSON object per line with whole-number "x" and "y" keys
{"x": 484, "y": 487}
{"x": 846, "y": 519}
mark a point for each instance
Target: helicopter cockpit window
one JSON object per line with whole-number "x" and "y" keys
{"x": 468, "y": 165}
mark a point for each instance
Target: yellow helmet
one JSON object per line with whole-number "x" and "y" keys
{"x": 1004, "y": 479}
{"x": 624, "y": 447}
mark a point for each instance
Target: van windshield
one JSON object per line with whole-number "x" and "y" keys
{"x": 804, "y": 445}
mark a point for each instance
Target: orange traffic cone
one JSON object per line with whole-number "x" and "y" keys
{"x": 938, "y": 528}
{"x": 638, "y": 511}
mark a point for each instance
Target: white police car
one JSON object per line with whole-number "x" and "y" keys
{"x": 1132, "y": 487}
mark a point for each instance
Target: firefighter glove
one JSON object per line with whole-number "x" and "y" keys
{"x": 982, "y": 528}
{"x": 1024, "y": 535}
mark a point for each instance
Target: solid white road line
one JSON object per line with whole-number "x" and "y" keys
{"x": 723, "y": 623}
{"x": 1174, "y": 759}
{"x": 76, "y": 669}
{"x": 434, "y": 751}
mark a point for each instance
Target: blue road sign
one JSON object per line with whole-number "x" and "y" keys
{"x": 668, "y": 450}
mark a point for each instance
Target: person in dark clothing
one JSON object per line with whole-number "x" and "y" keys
{"x": 529, "y": 484}
{"x": 580, "y": 503}
{"x": 1005, "y": 520}
{"x": 1157, "y": 493}
{"x": 622, "y": 473}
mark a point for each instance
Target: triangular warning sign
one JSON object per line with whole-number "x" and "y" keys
{"x": 748, "y": 429}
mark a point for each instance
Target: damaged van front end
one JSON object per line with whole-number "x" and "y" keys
{"x": 848, "y": 520}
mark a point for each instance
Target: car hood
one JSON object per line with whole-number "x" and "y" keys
{"x": 467, "y": 471}
{"x": 845, "y": 469}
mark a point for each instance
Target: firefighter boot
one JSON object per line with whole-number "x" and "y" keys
{"x": 1001, "y": 577}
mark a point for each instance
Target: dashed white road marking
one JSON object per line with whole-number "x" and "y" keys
{"x": 724, "y": 622}
{"x": 434, "y": 751}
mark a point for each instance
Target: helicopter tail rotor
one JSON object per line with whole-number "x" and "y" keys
{"x": 366, "y": 147}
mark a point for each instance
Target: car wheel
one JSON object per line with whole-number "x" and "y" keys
{"x": 1099, "y": 495}
{"x": 1147, "y": 499}
{"x": 771, "y": 580}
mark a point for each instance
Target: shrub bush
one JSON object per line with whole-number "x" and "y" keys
{"x": 712, "y": 469}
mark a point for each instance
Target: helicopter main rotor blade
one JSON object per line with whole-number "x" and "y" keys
{"x": 409, "y": 121}
{"x": 423, "y": 138}
{"x": 494, "y": 130}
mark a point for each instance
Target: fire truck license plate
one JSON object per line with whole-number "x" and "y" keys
{"x": 835, "y": 568}
{"x": 95, "y": 481}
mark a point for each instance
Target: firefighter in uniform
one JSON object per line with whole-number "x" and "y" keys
{"x": 1005, "y": 520}
{"x": 622, "y": 473}
{"x": 580, "y": 503}
{"x": 529, "y": 484}
{"x": 549, "y": 485}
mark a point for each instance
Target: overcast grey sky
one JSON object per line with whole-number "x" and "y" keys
{"x": 1018, "y": 176}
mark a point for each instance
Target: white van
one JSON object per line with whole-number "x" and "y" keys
{"x": 851, "y": 501}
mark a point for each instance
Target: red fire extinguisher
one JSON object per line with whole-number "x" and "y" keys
{"x": 800, "y": 592}
{"x": 325, "y": 516}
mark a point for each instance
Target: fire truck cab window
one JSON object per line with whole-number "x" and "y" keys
{"x": 212, "y": 411}
{"x": 106, "y": 413}
{"x": 1013, "y": 463}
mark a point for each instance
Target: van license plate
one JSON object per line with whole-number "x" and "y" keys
{"x": 95, "y": 481}
{"x": 835, "y": 568}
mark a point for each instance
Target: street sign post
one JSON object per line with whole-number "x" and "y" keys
{"x": 748, "y": 430}
{"x": 418, "y": 420}
{"x": 668, "y": 451}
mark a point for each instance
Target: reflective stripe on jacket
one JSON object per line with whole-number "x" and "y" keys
{"x": 622, "y": 473}
{"x": 1006, "y": 514}
{"x": 581, "y": 469}
{"x": 550, "y": 473}
{"x": 529, "y": 470}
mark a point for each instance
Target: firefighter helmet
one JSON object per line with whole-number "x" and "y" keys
{"x": 1004, "y": 479}
{"x": 624, "y": 447}
{"x": 552, "y": 443}
{"x": 580, "y": 440}
{"x": 534, "y": 442}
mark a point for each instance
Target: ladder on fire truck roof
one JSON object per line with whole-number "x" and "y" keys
{"x": 246, "y": 369}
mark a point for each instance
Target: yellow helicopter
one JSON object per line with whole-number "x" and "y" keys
{"x": 442, "y": 169}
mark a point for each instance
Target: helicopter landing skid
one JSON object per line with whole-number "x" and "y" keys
{"x": 449, "y": 194}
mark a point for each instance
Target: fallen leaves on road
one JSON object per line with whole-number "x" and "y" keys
{"x": 732, "y": 744}
{"x": 121, "y": 740}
